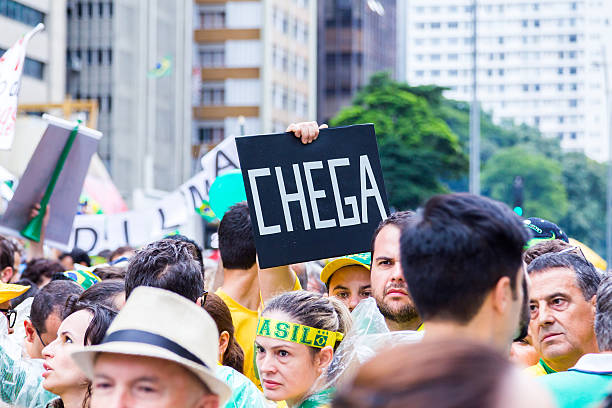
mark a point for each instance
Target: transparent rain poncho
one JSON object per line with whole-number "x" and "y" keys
{"x": 20, "y": 378}
{"x": 244, "y": 393}
{"x": 368, "y": 336}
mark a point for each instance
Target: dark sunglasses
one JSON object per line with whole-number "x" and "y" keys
{"x": 203, "y": 298}
{"x": 11, "y": 315}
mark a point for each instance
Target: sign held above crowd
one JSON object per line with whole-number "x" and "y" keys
{"x": 313, "y": 201}
{"x": 42, "y": 169}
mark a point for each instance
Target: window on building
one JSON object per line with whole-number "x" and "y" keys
{"x": 453, "y": 57}
{"x": 212, "y": 19}
{"x": 420, "y": 73}
{"x": 453, "y": 24}
{"x": 572, "y": 38}
{"x": 213, "y": 94}
{"x": 536, "y": 23}
{"x": 420, "y": 26}
{"x": 573, "y": 135}
{"x": 525, "y": 23}
{"x": 525, "y": 88}
{"x": 573, "y": 70}
{"x": 559, "y": 87}
{"x": 435, "y": 25}
{"x": 573, "y": 103}
{"x": 536, "y": 87}
{"x": 560, "y": 70}
{"x": 561, "y": 119}
{"x": 435, "y": 57}
{"x": 214, "y": 57}
{"x": 574, "y": 87}
{"x": 210, "y": 134}
{"x": 20, "y": 12}
{"x": 435, "y": 73}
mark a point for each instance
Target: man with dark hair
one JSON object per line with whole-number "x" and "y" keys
{"x": 76, "y": 256}
{"x": 40, "y": 271}
{"x": 462, "y": 259}
{"x": 46, "y": 315}
{"x": 562, "y": 303}
{"x": 7, "y": 260}
{"x": 389, "y": 286}
{"x": 196, "y": 252}
{"x": 588, "y": 382}
{"x": 166, "y": 264}
{"x": 245, "y": 285}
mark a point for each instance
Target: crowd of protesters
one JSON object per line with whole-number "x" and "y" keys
{"x": 460, "y": 303}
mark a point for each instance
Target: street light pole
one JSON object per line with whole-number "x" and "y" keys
{"x": 475, "y": 114}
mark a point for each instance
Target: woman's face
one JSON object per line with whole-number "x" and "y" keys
{"x": 61, "y": 373}
{"x": 287, "y": 370}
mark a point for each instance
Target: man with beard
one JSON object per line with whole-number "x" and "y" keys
{"x": 462, "y": 260}
{"x": 389, "y": 286}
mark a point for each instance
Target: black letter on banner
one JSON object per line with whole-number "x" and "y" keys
{"x": 125, "y": 231}
{"x": 163, "y": 221}
{"x": 194, "y": 191}
{"x": 229, "y": 164}
{"x": 76, "y": 238}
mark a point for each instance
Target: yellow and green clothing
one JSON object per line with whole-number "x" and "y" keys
{"x": 539, "y": 369}
{"x": 245, "y": 329}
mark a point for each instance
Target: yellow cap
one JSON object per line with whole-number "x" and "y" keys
{"x": 362, "y": 260}
{"x": 9, "y": 291}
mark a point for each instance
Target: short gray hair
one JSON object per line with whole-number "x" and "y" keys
{"x": 587, "y": 277}
{"x": 603, "y": 315}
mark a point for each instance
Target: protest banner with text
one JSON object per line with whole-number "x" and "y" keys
{"x": 313, "y": 201}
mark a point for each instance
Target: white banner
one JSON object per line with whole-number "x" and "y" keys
{"x": 11, "y": 67}
{"x": 94, "y": 233}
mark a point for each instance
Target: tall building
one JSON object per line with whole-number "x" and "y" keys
{"x": 254, "y": 68}
{"x": 540, "y": 62}
{"x": 357, "y": 38}
{"x": 134, "y": 57}
{"x": 44, "y": 69}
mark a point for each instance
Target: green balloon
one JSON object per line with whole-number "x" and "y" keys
{"x": 225, "y": 191}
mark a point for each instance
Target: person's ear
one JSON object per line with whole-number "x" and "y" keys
{"x": 593, "y": 302}
{"x": 30, "y": 332}
{"x": 208, "y": 401}
{"x": 223, "y": 344}
{"x": 6, "y": 274}
{"x": 502, "y": 295}
{"x": 324, "y": 358}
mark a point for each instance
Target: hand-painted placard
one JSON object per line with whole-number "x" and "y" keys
{"x": 313, "y": 201}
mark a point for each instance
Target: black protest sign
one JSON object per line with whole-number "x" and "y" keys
{"x": 313, "y": 201}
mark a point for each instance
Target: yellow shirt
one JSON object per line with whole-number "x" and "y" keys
{"x": 539, "y": 369}
{"x": 245, "y": 327}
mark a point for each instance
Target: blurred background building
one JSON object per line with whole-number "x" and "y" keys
{"x": 541, "y": 63}
{"x": 356, "y": 39}
{"x": 44, "y": 70}
{"x": 254, "y": 68}
{"x": 134, "y": 57}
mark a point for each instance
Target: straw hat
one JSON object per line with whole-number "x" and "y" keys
{"x": 161, "y": 324}
{"x": 9, "y": 291}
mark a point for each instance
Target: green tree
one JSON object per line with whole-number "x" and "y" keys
{"x": 543, "y": 192}
{"x": 585, "y": 182}
{"x": 417, "y": 149}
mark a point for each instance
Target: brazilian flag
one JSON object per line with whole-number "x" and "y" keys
{"x": 206, "y": 211}
{"x": 162, "y": 68}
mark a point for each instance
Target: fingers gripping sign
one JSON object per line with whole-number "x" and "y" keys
{"x": 307, "y": 132}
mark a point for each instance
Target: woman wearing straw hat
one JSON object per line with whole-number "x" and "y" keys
{"x": 297, "y": 336}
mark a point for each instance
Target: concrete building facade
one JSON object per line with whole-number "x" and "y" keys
{"x": 254, "y": 68}
{"x": 44, "y": 72}
{"x": 134, "y": 56}
{"x": 540, "y": 62}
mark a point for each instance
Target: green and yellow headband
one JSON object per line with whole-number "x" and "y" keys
{"x": 297, "y": 333}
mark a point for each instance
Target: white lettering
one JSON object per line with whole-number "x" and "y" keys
{"x": 352, "y": 200}
{"x": 263, "y": 230}
{"x": 297, "y": 196}
{"x": 316, "y": 194}
{"x": 365, "y": 170}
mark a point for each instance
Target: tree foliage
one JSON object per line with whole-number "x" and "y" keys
{"x": 423, "y": 145}
{"x": 417, "y": 149}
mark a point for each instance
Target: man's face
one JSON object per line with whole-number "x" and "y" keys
{"x": 350, "y": 284}
{"x": 388, "y": 285}
{"x": 67, "y": 263}
{"x": 35, "y": 342}
{"x": 562, "y": 320}
{"x": 137, "y": 381}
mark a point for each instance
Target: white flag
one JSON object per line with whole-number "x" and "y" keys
{"x": 11, "y": 66}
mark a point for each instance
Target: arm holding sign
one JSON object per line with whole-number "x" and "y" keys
{"x": 36, "y": 249}
{"x": 274, "y": 281}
